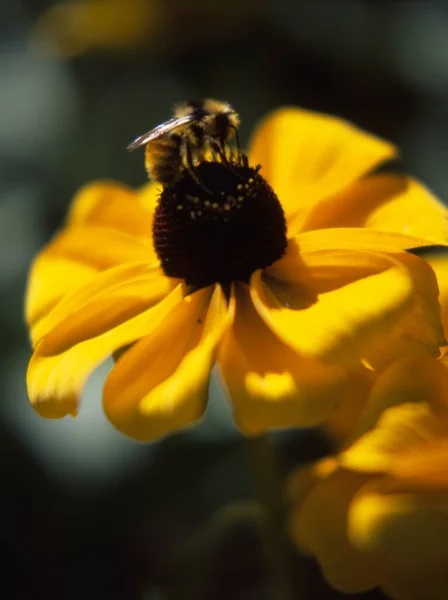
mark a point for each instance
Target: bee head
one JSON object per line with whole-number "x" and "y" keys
{"x": 221, "y": 124}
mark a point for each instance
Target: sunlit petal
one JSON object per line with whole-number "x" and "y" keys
{"x": 161, "y": 383}
{"x": 381, "y": 202}
{"x": 111, "y": 298}
{"x": 113, "y": 205}
{"x": 334, "y": 260}
{"x": 353, "y": 237}
{"x": 343, "y": 320}
{"x": 56, "y": 382}
{"x": 416, "y": 211}
{"x": 308, "y": 156}
{"x": 72, "y": 259}
{"x": 351, "y": 207}
{"x": 101, "y": 248}
{"x": 268, "y": 383}
{"x": 51, "y": 278}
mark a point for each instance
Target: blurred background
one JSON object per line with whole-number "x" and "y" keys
{"x": 86, "y": 512}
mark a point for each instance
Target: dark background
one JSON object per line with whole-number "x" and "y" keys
{"x": 84, "y": 511}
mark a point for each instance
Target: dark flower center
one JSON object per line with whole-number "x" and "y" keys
{"x": 220, "y": 225}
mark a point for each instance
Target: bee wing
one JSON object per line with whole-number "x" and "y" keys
{"x": 162, "y": 129}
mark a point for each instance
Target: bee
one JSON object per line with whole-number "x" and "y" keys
{"x": 197, "y": 127}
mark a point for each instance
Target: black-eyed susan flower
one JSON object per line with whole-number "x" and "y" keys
{"x": 290, "y": 272}
{"x": 377, "y": 514}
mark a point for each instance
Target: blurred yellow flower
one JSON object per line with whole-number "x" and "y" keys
{"x": 74, "y": 27}
{"x": 377, "y": 514}
{"x": 292, "y": 295}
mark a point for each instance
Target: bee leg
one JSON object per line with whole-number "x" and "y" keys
{"x": 220, "y": 149}
{"x": 238, "y": 146}
{"x": 216, "y": 150}
{"x": 187, "y": 156}
{"x": 222, "y": 146}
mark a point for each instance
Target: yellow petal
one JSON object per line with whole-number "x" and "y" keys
{"x": 437, "y": 257}
{"x": 409, "y": 442}
{"x": 269, "y": 384}
{"x": 319, "y": 525}
{"x": 418, "y": 380}
{"x": 416, "y": 211}
{"x": 342, "y": 321}
{"x": 291, "y": 280}
{"x": 332, "y": 268}
{"x": 72, "y": 259}
{"x": 113, "y": 205}
{"x": 345, "y": 420}
{"x": 304, "y": 479}
{"x": 111, "y": 298}
{"x": 50, "y": 279}
{"x": 381, "y": 202}
{"x": 334, "y": 260}
{"x": 56, "y": 382}
{"x": 406, "y": 532}
{"x": 421, "y": 332}
{"x": 307, "y": 156}
{"x": 101, "y": 247}
{"x": 161, "y": 383}
{"x": 354, "y": 237}
{"x": 351, "y": 207}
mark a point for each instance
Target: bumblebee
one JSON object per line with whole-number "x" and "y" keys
{"x": 197, "y": 127}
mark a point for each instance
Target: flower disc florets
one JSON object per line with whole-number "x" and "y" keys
{"x": 220, "y": 225}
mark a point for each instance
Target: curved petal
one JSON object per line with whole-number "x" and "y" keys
{"x": 115, "y": 206}
{"x": 307, "y": 156}
{"x": 336, "y": 262}
{"x": 161, "y": 383}
{"x": 111, "y": 298}
{"x": 319, "y": 525}
{"x": 269, "y": 384}
{"x": 342, "y": 321}
{"x": 304, "y": 479}
{"x": 410, "y": 443}
{"x": 72, "y": 259}
{"x": 406, "y": 531}
{"x": 330, "y": 269}
{"x": 50, "y": 279}
{"x": 56, "y": 382}
{"x": 416, "y": 211}
{"x": 351, "y": 207}
{"x": 417, "y": 379}
{"x": 382, "y": 202}
{"x": 354, "y": 237}
{"x": 352, "y": 406}
{"x": 100, "y": 247}
{"x": 438, "y": 259}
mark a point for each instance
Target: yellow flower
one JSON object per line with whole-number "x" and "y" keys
{"x": 290, "y": 288}
{"x": 74, "y": 27}
{"x": 377, "y": 514}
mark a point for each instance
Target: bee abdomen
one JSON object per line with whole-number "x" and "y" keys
{"x": 163, "y": 159}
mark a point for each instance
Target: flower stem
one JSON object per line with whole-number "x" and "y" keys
{"x": 268, "y": 485}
